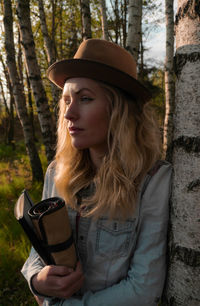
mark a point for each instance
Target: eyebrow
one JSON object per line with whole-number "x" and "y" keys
{"x": 79, "y": 91}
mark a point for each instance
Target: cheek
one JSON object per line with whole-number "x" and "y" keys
{"x": 100, "y": 122}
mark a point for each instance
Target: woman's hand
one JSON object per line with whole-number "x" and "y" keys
{"x": 58, "y": 281}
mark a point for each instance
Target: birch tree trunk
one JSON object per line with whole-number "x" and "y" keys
{"x": 86, "y": 19}
{"x": 49, "y": 47}
{"x": 47, "y": 123}
{"x": 169, "y": 80}
{"x": 104, "y": 20}
{"x": 183, "y": 282}
{"x": 9, "y": 135}
{"x": 134, "y": 27}
{"x": 124, "y": 21}
{"x": 48, "y": 43}
{"x": 117, "y": 21}
{"x": 18, "y": 93}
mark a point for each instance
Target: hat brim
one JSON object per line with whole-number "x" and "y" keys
{"x": 60, "y": 71}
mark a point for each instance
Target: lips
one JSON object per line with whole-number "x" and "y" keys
{"x": 74, "y": 130}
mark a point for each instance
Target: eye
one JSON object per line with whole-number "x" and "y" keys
{"x": 67, "y": 102}
{"x": 86, "y": 99}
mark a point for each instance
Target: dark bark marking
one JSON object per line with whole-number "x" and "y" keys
{"x": 193, "y": 185}
{"x": 181, "y": 59}
{"x": 189, "y": 144}
{"x": 188, "y": 256}
{"x": 190, "y": 9}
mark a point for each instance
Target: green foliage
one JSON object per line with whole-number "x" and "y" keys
{"x": 153, "y": 79}
{"x": 15, "y": 176}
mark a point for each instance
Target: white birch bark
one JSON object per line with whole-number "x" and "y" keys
{"x": 45, "y": 117}
{"x": 19, "y": 93}
{"x": 48, "y": 43}
{"x": 49, "y": 48}
{"x": 169, "y": 79}
{"x": 183, "y": 281}
{"x": 86, "y": 19}
{"x": 134, "y": 27}
{"x": 104, "y": 22}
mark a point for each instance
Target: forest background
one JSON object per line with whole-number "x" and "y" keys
{"x": 34, "y": 34}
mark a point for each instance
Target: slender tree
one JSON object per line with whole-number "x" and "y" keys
{"x": 169, "y": 79}
{"x": 104, "y": 22}
{"x": 134, "y": 27}
{"x": 60, "y": 44}
{"x": 49, "y": 44}
{"x": 183, "y": 281}
{"x": 86, "y": 19}
{"x": 45, "y": 117}
{"x": 9, "y": 129}
{"x": 124, "y": 11}
{"x": 53, "y": 23}
{"x": 19, "y": 94}
{"x": 117, "y": 24}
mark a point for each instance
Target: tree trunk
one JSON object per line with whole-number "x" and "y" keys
{"x": 134, "y": 27}
{"x": 19, "y": 59}
{"x": 46, "y": 120}
{"x": 30, "y": 107}
{"x": 117, "y": 22}
{"x": 86, "y": 19}
{"x": 61, "y": 29}
{"x": 141, "y": 62}
{"x": 9, "y": 137}
{"x": 104, "y": 22}
{"x": 18, "y": 93}
{"x": 124, "y": 21}
{"x": 169, "y": 80}
{"x": 48, "y": 43}
{"x": 183, "y": 281}
{"x": 53, "y": 24}
{"x": 49, "y": 47}
{"x": 11, "y": 126}
{"x": 9, "y": 119}
{"x": 3, "y": 97}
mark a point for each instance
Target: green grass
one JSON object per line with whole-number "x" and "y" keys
{"x": 15, "y": 174}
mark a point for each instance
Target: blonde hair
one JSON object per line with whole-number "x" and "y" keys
{"x": 133, "y": 148}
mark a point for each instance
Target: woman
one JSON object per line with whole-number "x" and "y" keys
{"x": 107, "y": 170}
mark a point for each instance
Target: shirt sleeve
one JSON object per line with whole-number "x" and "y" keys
{"x": 144, "y": 282}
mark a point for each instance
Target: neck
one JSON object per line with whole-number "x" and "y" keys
{"x": 96, "y": 158}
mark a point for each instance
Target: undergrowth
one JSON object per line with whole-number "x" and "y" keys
{"x": 15, "y": 174}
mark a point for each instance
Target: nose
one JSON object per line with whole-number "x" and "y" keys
{"x": 71, "y": 112}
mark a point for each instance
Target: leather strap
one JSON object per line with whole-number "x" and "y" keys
{"x": 54, "y": 248}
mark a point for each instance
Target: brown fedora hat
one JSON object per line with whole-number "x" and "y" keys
{"x": 103, "y": 61}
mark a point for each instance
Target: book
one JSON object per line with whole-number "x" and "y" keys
{"x": 21, "y": 212}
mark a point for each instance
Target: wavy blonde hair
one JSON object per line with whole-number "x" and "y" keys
{"x": 133, "y": 148}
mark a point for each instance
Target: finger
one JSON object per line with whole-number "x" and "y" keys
{"x": 70, "y": 281}
{"x": 59, "y": 270}
{"x": 75, "y": 287}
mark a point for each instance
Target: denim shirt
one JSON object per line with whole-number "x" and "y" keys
{"x": 124, "y": 263}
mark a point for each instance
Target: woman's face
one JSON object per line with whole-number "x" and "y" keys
{"x": 87, "y": 114}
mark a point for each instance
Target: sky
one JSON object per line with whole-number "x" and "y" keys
{"x": 156, "y": 40}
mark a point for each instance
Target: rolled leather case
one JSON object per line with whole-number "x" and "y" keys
{"x": 52, "y": 226}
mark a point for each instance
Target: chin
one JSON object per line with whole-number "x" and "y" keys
{"x": 79, "y": 146}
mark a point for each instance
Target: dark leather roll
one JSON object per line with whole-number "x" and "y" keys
{"x": 51, "y": 222}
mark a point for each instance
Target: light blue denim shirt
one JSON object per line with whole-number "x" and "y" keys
{"x": 124, "y": 263}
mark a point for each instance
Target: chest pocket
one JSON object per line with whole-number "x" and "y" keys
{"x": 114, "y": 238}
